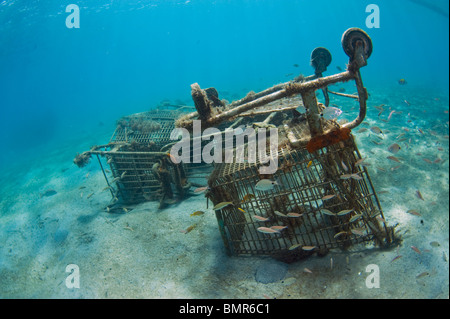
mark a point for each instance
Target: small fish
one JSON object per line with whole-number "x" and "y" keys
{"x": 107, "y": 171}
{"x": 344, "y": 166}
{"x": 294, "y": 246}
{"x": 435, "y": 244}
{"x": 200, "y": 190}
{"x": 395, "y": 168}
{"x": 267, "y": 230}
{"x": 394, "y": 148}
{"x": 423, "y": 274}
{"x": 360, "y": 162}
{"x": 301, "y": 109}
{"x": 260, "y": 218}
{"x": 380, "y": 107}
{"x": 81, "y": 187}
{"x": 345, "y": 212}
{"x": 407, "y": 103}
{"x": 309, "y": 165}
{"x": 295, "y": 65}
{"x": 346, "y": 176}
{"x": 327, "y": 197}
{"x": 362, "y": 130}
{"x": 247, "y": 198}
{"x": 190, "y": 228}
{"x": 340, "y": 234}
{"x": 241, "y": 210}
{"x": 265, "y": 185}
{"x": 197, "y": 213}
{"x": 419, "y": 195}
{"x": 376, "y": 143}
{"x": 416, "y": 249}
{"x": 90, "y": 195}
{"x": 279, "y": 214}
{"x": 48, "y": 192}
{"x": 396, "y": 258}
{"x": 125, "y": 209}
{"x": 358, "y": 231}
{"x": 356, "y": 176}
{"x": 222, "y": 205}
{"x": 331, "y": 113}
{"x": 390, "y": 115}
{"x": 107, "y": 187}
{"x": 393, "y": 158}
{"x": 376, "y": 130}
{"x": 427, "y": 160}
{"x": 307, "y": 270}
{"x": 327, "y": 212}
{"x": 338, "y": 68}
{"x": 355, "y": 218}
{"x": 278, "y": 228}
{"x": 294, "y": 215}
{"x": 123, "y": 175}
{"x": 402, "y": 82}
{"x": 115, "y": 180}
{"x": 308, "y": 248}
{"x": 81, "y": 195}
{"x": 413, "y": 212}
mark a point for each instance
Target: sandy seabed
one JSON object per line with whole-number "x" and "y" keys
{"x": 143, "y": 253}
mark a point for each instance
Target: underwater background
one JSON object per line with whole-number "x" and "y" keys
{"x": 63, "y": 89}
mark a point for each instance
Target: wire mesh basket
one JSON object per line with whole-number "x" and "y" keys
{"x": 139, "y": 162}
{"x": 320, "y": 201}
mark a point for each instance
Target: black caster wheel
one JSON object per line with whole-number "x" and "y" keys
{"x": 320, "y": 59}
{"x": 349, "y": 39}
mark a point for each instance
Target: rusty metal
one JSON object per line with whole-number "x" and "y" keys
{"x": 304, "y": 179}
{"x": 140, "y": 166}
{"x": 317, "y": 158}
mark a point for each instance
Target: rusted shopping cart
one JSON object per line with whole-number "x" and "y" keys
{"x": 322, "y": 196}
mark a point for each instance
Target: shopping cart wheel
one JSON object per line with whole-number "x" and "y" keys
{"x": 349, "y": 39}
{"x": 320, "y": 59}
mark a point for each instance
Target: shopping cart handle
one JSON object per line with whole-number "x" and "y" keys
{"x": 358, "y": 46}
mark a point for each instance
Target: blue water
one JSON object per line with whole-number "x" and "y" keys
{"x": 61, "y": 89}
{"x": 127, "y": 56}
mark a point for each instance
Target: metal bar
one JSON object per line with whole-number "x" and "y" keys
{"x": 106, "y": 178}
{"x": 288, "y": 90}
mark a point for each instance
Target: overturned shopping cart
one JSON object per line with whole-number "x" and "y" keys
{"x": 139, "y": 164}
{"x": 321, "y": 196}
